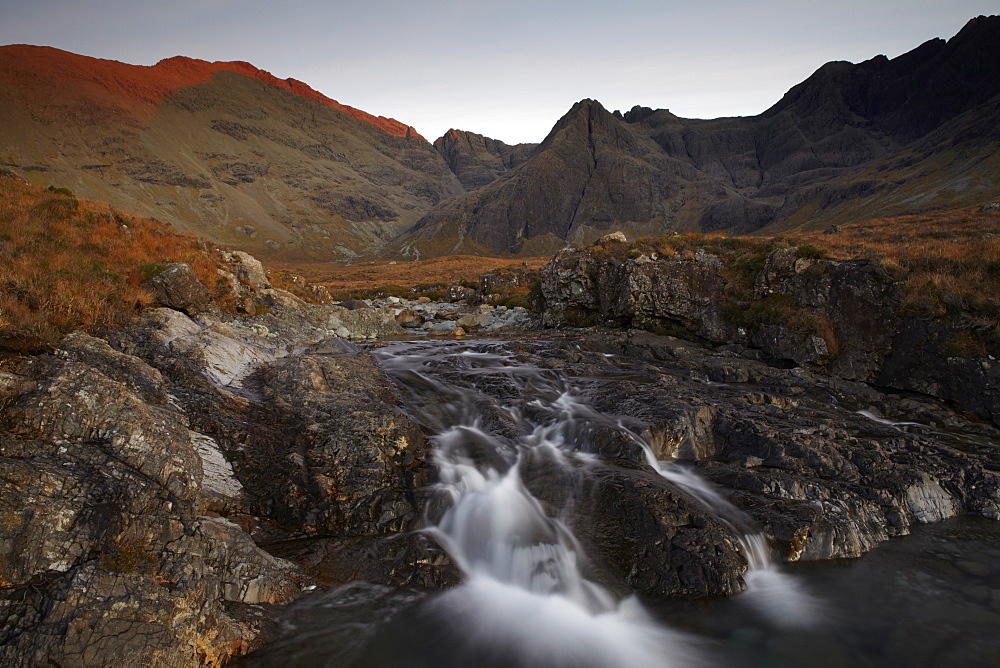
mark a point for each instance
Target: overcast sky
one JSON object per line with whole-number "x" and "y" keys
{"x": 505, "y": 68}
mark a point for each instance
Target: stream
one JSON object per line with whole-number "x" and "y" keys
{"x": 531, "y": 595}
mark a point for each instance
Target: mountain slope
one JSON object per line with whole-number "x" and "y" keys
{"x": 222, "y": 149}
{"x": 851, "y": 142}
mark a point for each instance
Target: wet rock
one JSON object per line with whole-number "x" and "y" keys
{"x": 823, "y": 481}
{"x": 349, "y": 461}
{"x": 404, "y": 560}
{"x": 644, "y": 533}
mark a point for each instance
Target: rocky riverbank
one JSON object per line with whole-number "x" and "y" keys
{"x": 850, "y": 319}
{"x": 167, "y": 487}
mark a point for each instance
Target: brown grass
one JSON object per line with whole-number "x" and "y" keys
{"x": 947, "y": 257}
{"x": 341, "y": 279}
{"x": 70, "y": 264}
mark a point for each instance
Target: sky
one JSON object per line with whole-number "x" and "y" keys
{"x": 507, "y": 69}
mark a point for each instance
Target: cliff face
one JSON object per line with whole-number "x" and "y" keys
{"x": 222, "y": 149}
{"x": 885, "y": 136}
{"x": 477, "y": 160}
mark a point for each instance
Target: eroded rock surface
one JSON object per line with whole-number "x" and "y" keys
{"x": 103, "y": 549}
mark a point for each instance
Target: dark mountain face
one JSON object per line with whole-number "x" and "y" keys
{"x": 477, "y": 160}
{"x": 852, "y": 141}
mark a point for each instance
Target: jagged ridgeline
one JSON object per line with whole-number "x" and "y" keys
{"x": 851, "y": 142}
{"x": 272, "y": 166}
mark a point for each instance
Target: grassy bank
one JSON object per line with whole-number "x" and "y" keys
{"x": 67, "y": 263}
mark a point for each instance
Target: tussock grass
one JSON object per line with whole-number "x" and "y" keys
{"x": 70, "y": 264}
{"x": 950, "y": 259}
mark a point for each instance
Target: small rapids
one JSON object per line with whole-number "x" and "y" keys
{"x": 519, "y": 445}
{"x": 526, "y": 598}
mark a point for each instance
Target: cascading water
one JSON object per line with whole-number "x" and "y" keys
{"x": 516, "y": 447}
{"x": 774, "y": 593}
{"x": 525, "y": 598}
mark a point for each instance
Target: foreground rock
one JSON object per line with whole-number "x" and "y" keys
{"x": 151, "y": 483}
{"x": 164, "y": 488}
{"x": 806, "y": 456}
{"x": 104, "y": 552}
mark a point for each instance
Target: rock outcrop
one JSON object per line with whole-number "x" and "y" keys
{"x": 828, "y": 468}
{"x": 104, "y": 552}
{"x": 841, "y": 317}
{"x": 141, "y": 475}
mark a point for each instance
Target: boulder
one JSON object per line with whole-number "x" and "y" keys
{"x": 247, "y": 269}
{"x": 459, "y": 293}
{"x": 178, "y": 288}
{"x": 409, "y": 318}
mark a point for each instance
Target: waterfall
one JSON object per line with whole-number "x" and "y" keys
{"x": 525, "y": 598}
{"x": 774, "y": 593}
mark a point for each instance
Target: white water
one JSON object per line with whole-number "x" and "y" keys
{"x": 525, "y": 597}
{"x": 775, "y": 594}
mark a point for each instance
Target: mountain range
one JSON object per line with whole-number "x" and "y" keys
{"x": 244, "y": 158}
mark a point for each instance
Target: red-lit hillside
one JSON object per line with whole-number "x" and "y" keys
{"x": 222, "y": 149}
{"x": 140, "y": 89}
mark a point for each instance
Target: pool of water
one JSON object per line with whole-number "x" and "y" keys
{"x": 928, "y": 599}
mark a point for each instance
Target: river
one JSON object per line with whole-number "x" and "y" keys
{"x": 530, "y": 595}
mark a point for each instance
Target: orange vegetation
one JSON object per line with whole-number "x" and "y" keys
{"x": 954, "y": 252}
{"x": 140, "y": 89}
{"x": 68, "y": 264}
{"x": 367, "y": 274}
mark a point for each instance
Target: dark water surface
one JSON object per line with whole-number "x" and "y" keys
{"x": 929, "y": 599}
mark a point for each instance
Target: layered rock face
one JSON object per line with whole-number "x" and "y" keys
{"x": 883, "y": 135}
{"x": 842, "y": 317}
